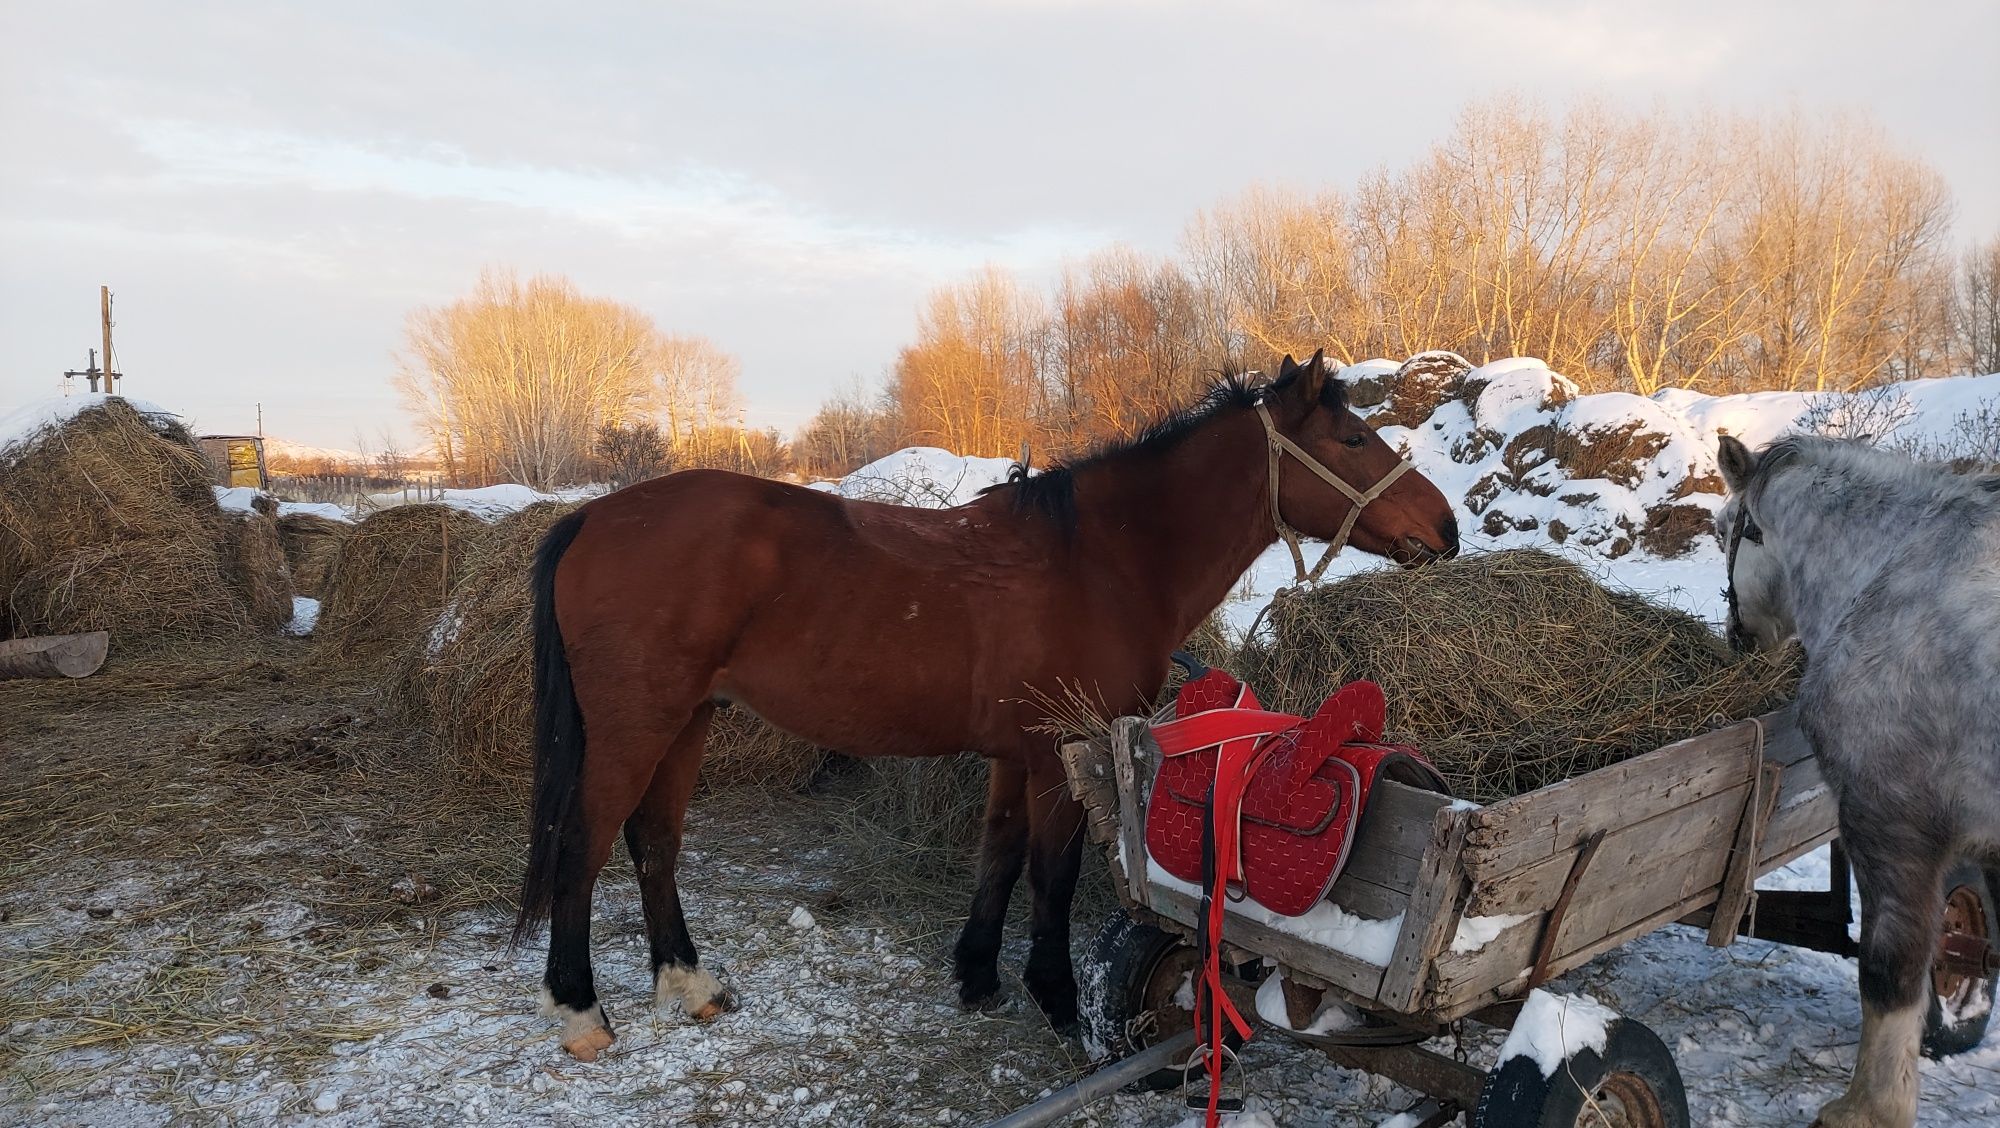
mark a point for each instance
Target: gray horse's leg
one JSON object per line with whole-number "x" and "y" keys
{"x": 1902, "y": 904}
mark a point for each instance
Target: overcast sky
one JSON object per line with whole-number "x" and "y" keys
{"x": 269, "y": 189}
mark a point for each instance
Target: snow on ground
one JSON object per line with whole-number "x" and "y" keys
{"x": 241, "y": 500}
{"x": 923, "y": 476}
{"x": 488, "y": 503}
{"x": 305, "y": 616}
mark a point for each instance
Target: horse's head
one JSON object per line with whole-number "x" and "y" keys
{"x": 1760, "y": 615}
{"x": 1343, "y": 482}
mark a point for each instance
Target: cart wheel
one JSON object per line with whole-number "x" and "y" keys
{"x": 1961, "y": 1003}
{"x": 1126, "y": 994}
{"x": 1634, "y": 1083}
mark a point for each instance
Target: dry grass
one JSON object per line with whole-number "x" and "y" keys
{"x": 394, "y": 573}
{"x": 312, "y": 545}
{"x": 258, "y": 564}
{"x": 109, "y": 523}
{"x": 1511, "y": 670}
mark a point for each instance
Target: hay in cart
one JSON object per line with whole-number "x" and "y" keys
{"x": 1511, "y": 670}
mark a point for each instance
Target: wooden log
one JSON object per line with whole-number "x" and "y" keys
{"x": 1432, "y": 916}
{"x": 1131, "y": 737}
{"x": 54, "y": 656}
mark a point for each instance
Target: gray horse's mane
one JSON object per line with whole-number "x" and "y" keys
{"x": 1857, "y": 460}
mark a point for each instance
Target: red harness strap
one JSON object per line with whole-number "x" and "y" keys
{"x": 1241, "y": 733}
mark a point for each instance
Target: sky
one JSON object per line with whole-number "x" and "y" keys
{"x": 271, "y": 189}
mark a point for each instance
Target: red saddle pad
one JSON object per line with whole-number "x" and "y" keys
{"x": 1308, "y": 784}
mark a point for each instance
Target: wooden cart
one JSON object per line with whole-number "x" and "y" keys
{"x": 1549, "y": 880}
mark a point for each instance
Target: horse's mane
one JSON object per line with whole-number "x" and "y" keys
{"x": 1052, "y": 493}
{"x": 1858, "y": 458}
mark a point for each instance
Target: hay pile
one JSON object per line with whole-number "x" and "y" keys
{"x": 109, "y": 522}
{"x": 393, "y": 573}
{"x": 257, "y": 560}
{"x": 1511, "y": 670}
{"x": 311, "y": 544}
{"x": 467, "y": 675}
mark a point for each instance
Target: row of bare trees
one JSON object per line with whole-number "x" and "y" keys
{"x": 1630, "y": 251}
{"x": 533, "y": 382}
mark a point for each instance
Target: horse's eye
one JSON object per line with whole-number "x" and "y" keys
{"x": 1354, "y": 441}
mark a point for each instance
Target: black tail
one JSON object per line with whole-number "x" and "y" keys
{"x": 558, "y": 734}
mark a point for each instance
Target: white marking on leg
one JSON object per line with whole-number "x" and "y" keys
{"x": 698, "y": 992}
{"x": 1883, "y": 1093}
{"x": 585, "y": 1033}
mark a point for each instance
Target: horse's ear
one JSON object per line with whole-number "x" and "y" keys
{"x": 1287, "y": 366}
{"x": 1736, "y": 462}
{"x": 1312, "y": 377}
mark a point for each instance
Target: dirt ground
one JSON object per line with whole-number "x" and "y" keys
{"x": 233, "y": 889}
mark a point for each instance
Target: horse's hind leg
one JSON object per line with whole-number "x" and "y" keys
{"x": 1902, "y": 904}
{"x": 653, "y": 835}
{"x": 1002, "y": 849}
{"x": 1055, "y": 851}
{"x": 616, "y": 770}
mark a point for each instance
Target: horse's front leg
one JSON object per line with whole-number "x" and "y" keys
{"x": 1055, "y": 851}
{"x": 1003, "y": 848}
{"x": 1902, "y": 905}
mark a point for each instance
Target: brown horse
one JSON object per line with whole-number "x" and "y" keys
{"x": 884, "y": 630}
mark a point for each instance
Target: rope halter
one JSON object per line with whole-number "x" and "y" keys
{"x": 1280, "y": 446}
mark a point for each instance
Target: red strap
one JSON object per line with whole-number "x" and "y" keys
{"x": 1211, "y": 727}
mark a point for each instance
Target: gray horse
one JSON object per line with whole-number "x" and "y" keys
{"x": 1888, "y": 573}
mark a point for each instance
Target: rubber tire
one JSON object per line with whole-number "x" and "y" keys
{"x": 1114, "y": 973}
{"x": 1940, "y": 1040}
{"x": 1516, "y": 1095}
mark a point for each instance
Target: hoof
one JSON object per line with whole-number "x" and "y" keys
{"x": 695, "y": 990}
{"x": 715, "y": 1008}
{"x": 587, "y": 1045}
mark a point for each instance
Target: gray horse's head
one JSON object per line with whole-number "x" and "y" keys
{"x": 1760, "y": 614}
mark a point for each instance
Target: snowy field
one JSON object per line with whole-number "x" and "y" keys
{"x": 289, "y": 997}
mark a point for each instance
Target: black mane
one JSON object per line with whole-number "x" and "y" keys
{"x": 1052, "y": 493}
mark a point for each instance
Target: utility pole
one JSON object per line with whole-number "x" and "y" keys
{"x": 104, "y": 301}
{"x": 91, "y": 371}
{"x": 260, "y": 420}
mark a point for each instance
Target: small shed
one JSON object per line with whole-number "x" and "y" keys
{"x": 238, "y": 460}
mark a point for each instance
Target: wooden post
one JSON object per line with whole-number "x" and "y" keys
{"x": 104, "y": 304}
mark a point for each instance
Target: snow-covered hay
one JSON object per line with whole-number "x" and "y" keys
{"x": 108, "y": 522}
{"x": 311, "y": 544}
{"x": 467, "y": 676}
{"x": 393, "y": 573}
{"x": 1511, "y": 670}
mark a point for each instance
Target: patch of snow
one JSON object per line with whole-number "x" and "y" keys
{"x": 324, "y": 509}
{"x": 488, "y": 503}
{"x": 928, "y": 477}
{"x": 1184, "y": 994}
{"x": 1554, "y": 1028}
{"x": 305, "y": 616}
{"x": 801, "y": 918}
{"x": 237, "y": 499}
{"x": 1327, "y": 924}
{"x": 1333, "y": 1015}
{"x": 444, "y": 632}
{"x": 1475, "y": 932}
{"x": 25, "y": 424}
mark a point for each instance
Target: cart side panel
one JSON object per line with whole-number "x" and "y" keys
{"x": 1669, "y": 821}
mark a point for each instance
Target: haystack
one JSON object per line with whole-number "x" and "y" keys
{"x": 1511, "y": 670}
{"x": 108, "y": 522}
{"x": 468, "y": 675}
{"x": 394, "y": 572}
{"x": 311, "y": 544}
{"x": 257, "y": 561}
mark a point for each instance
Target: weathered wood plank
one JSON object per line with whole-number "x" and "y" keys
{"x": 1739, "y": 877}
{"x": 1358, "y": 979}
{"x": 1433, "y": 910}
{"x": 1607, "y": 904}
{"x": 54, "y": 656}
{"x": 1697, "y": 826}
{"x": 1129, "y": 738}
{"x": 1553, "y": 820}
